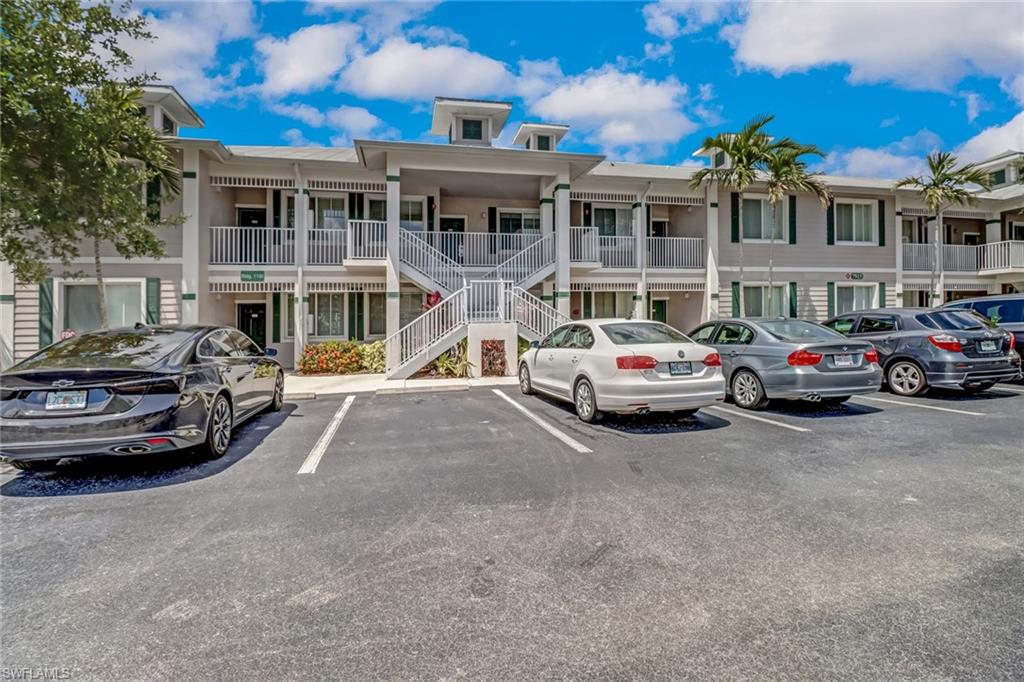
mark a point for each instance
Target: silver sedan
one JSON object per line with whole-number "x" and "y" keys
{"x": 790, "y": 359}
{"x": 624, "y": 366}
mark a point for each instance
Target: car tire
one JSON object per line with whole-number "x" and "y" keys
{"x": 35, "y": 465}
{"x": 585, "y": 400}
{"x": 747, "y": 391}
{"x": 979, "y": 388}
{"x": 218, "y": 428}
{"x": 906, "y": 378}
{"x": 278, "y": 400}
{"x": 525, "y": 384}
{"x": 838, "y": 400}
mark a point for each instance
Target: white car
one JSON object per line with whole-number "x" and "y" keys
{"x": 623, "y": 366}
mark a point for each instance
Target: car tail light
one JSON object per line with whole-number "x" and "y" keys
{"x": 871, "y": 356}
{"x": 1013, "y": 341}
{"x": 803, "y": 358}
{"x": 158, "y": 441}
{"x": 946, "y": 342}
{"x": 635, "y": 362}
{"x": 713, "y": 360}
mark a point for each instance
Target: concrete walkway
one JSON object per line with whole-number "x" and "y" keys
{"x": 298, "y": 387}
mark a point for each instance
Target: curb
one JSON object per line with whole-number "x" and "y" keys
{"x": 420, "y": 389}
{"x": 300, "y": 396}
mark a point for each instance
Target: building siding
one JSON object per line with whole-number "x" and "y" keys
{"x": 26, "y": 321}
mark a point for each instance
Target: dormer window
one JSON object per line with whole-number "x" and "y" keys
{"x": 168, "y": 126}
{"x": 719, "y": 159}
{"x": 472, "y": 129}
{"x": 997, "y": 178}
{"x": 544, "y": 143}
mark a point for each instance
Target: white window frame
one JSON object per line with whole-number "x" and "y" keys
{"x": 764, "y": 285}
{"x": 58, "y": 294}
{"x": 523, "y": 213}
{"x": 413, "y": 198}
{"x": 852, "y": 285}
{"x": 313, "y": 196}
{"x": 1011, "y": 227}
{"x": 873, "y": 238}
{"x": 311, "y": 314}
{"x": 783, "y": 210}
{"x": 287, "y": 314}
{"x": 615, "y": 207}
{"x": 485, "y": 129}
{"x": 374, "y": 197}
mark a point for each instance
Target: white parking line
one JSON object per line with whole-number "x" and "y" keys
{"x": 571, "y": 442}
{"x": 737, "y": 413}
{"x": 1007, "y": 388}
{"x": 314, "y": 456}
{"x": 923, "y": 407}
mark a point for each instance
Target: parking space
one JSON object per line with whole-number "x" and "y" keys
{"x": 486, "y": 534}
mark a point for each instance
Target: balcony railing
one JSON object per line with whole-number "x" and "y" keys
{"x": 1001, "y": 256}
{"x": 366, "y": 240}
{"x": 326, "y": 247}
{"x": 959, "y": 258}
{"x": 252, "y": 246}
{"x": 583, "y": 246}
{"x": 675, "y": 252}
{"x": 479, "y": 249}
{"x": 617, "y": 252}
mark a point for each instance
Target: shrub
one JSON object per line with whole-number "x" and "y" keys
{"x": 331, "y": 357}
{"x": 451, "y": 363}
{"x": 374, "y": 356}
{"x": 492, "y": 358}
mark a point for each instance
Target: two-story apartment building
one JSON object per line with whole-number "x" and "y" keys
{"x": 296, "y": 245}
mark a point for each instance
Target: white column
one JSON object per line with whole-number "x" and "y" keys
{"x": 899, "y": 251}
{"x": 561, "y": 292}
{"x": 301, "y": 311}
{"x": 190, "y": 237}
{"x": 710, "y": 310}
{"x": 393, "y": 285}
{"x": 547, "y": 226}
{"x": 640, "y": 209}
{"x": 939, "y": 237}
{"x": 6, "y": 315}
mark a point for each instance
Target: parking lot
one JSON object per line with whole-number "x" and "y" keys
{"x": 485, "y": 534}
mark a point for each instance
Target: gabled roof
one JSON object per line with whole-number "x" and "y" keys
{"x": 447, "y": 108}
{"x": 168, "y": 97}
{"x": 555, "y": 130}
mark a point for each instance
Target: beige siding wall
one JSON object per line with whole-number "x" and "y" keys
{"x": 683, "y": 308}
{"x": 811, "y": 290}
{"x": 687, "y": 221}
{"x": 475, "y": 209}
{"x": 961, "y": 226}
{"x": 26, "y": 321}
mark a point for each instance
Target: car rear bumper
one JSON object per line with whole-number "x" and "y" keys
{"x": 135, "y": 445}
{"x": 808, "y": 382}
{"x": 655, "y": 396}
{"x": 957, "y": 376}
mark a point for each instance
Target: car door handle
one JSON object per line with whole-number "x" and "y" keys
{"x": 734, "y": 352}
{"x": 575, "y": 359}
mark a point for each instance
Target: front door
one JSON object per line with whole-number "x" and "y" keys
{"x": 252, "y": 217}
{"x": 659, "y": 310}
{"x": 451, "y": 246}
{"x": 252, "y": 321}
{"x": 971, "y": 239}
{"x": 659, "y": 228}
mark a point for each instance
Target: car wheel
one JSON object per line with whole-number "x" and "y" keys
{"x": 278, "y": 402}
{"x": 525, "y": 385}
{"x": 906, "y": 378}
{"x": 218, "y": 431}
{"x": 838, "y": 400}
{"x": 585, "y": 401}
{"x": 35, "y": 465}
{"x": 978, "y": 388}
{"x": 747, "y": 391}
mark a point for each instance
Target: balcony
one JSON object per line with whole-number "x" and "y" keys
{"x": 479, "y": 249}
{"x": 610, "y": 251}
{"x": 675, "y": 252}
{"x": 252, "y": 246}
{"x": 992, "y": 258}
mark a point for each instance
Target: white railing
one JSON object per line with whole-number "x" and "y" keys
{"x": 367, "y": 240}
{"x": 252, "y": 246}
{"x": 958, "y": 258}
{"x": 417, "y": 253}
{"x": 531, "y": 313}
{"x": 475, "y": 249}
{"x": 675, "y": 252}
{"x": 527, "y": 262}
{"x": 583, "y": 245}
{"x": 485, "y": 300}
{"x": 918, "y": 257}
{"x": 325, "y": 247}
{"x": 423, "y": 333}
{"x": 617, "y": 252}
{"x": 1001, "y": 255}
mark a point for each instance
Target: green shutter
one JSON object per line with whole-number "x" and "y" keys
{"x": 735, "y": 299}
{"x": 46, "y": 312}
{"x": 588, "y": 305}
{"x": 360, "y": 326}
{"x": 830, "y": 224}
{"x": 792, "y": 299}
{"x": 152, "y": 300}
{"x": 881, "y": 294}
{"x": 588, "y": 215}
{"x": 153, "y": 199}
{"x": 881, "y": 222}
{"x": 831, "y": 299}
{"x": 351, "y": 323}
{"x": 734, "y": 207}
{"x": 792, "y": 219}
{"x": 276, "y": 317}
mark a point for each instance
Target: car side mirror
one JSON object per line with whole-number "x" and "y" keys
{"x": 534, "y": 344}
{"x": 270, "y": 352}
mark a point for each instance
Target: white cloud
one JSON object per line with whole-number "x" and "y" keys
{"x": 537, "y": 78}
{"x": 658, "y": 51}
{"x": 901, "y": 158}
{"x": 917, "y": 45}
{"x": 975, "y": 104}
{"x": 356, "y": 122}
{"x": 669, "y": 19}
{"x": 301, "y": 112}
{"x": 380, "y": 20}
{"x": 603, "y": 103}
{"x": 889, "y": 122}
{"x": 187, "y": 37}
{"x": 307, "y": 59}
{"x": 295, "y": 138}
{"x": 994, "y": 140}
{"x": 438, "y": 35}
{"x": 409, "y": 71}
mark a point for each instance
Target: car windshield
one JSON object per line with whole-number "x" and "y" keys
{"x": 797, "y": 330}
{"x": 111, "y": 349}
{"x": 628, "y": 333}
{"x": 955, "y": 320}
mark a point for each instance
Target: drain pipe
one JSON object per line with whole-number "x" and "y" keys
{"x": 642, "y": 256}
{"x": 299, "y": 311}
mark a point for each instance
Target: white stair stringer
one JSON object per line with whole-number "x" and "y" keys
{"x": 535, "y": 318}
{"x": 432, "y": 333}
{"x": 428, "y": 266}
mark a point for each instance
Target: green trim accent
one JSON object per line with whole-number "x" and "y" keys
{"x": 394, "y": 294}
{"x": 562, "y": 294}
{"x": 899, "y": 212}
{"x": 561, "y": 186}
{"x": 792, "y": 219}
{"x": 638, "y": 297}
{"x": 6, "y": 298}
{"x": 545, "y": 297}
{"x": 547, "y": 200}
{"x": 994, "y": 221}
{"x": 637, "y": 204}
{"x": 305, "y": 299}
{"x": 275, "y": 316}
{"x": 881, "y": 295}
{"x": 252, "y": 276}
{"x": 189, "y": 175}
{"x": 715, "y": 297}
{"x": 714, "y": 204}
{"x": 588, "y": 305}
{"x": 735, "y": 299}
{"x": 188, "y": 297}
{"x": 830, "y": 225}
{"x": 881, "y": 222}
{"x": 792, "y": 299}
{"x": 152, "y": 300}
{"x": 831, "y": 286}
{"x": 394, "y": 178}
{"x": 46, "y": 312}
{"x": 734, "y": 205}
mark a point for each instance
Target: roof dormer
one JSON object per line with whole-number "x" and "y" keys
{"x": 541, "y": 137}
{"x": 167, "y": 110}
{"x": 469, "y": 121}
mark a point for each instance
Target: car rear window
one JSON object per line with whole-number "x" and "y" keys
{"x": 1011, "y": 310}
{"x": 797, "y": 330}
{"x": 628, "y": 333}
{"x": 115, "y": 348}
{"x": 953, "y": 320}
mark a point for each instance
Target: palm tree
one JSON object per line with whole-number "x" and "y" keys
{"x": 946, "y": 185}
{"x": 747, "y": 152}
{"x": 785, "y": 173}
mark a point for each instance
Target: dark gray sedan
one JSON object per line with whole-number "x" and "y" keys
{"x": 923, "y": 347}
{"x": 789, "y": 359}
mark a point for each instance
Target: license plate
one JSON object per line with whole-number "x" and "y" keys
{"x": 680, "y": 369}
{"x": 66, "y": 400}
{"x": 843, "y": 360}
{"x": 989, "y": 346}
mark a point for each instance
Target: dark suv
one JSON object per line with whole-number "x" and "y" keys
{"x": 1006, "y": 310}
{"x": 923, "y": 347}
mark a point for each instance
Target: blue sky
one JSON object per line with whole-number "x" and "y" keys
{"x": 875, "y": 85}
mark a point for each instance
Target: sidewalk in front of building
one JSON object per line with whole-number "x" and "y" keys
{"x": 297, "y": 387}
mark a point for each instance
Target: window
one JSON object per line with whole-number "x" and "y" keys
{"x": 410, "y": 214}
{"x": 82, "y": 306}
{"x": 330, "y": 213}
{"x": 953, "y": 320}
{"x": 997, "y": 178}
{"x": 855, "y": 297}
{"x": 472, "y": 129}
{"x": 328, "y": 311}
{"x": 216, "y": 345}
{"x": 797, "y": 330}
{"x": 1007, "y": 310}
{"x": 289, "y": 315}
{"x": 732, "y": 334}
{"x": 613, "y": 221}
{"x": 629, "y": 333}
{"x": 531, "y": 223}
{"x": 135, "y": 349}
{"x": 578, "y": 336}
{"x": 554, "y": 339}
{"x": 517, "y": 222}
{"x": 168, "y": 125}
{"x": 755, "y": 301}
{"x": 843, "y": 325}
{"x": 855, "y": 222}
{"x": 377, "y": 209}
{"x": 378, "y": 314}
{"x": 244, "y": 345}
{"x": 604, "y": 304}
{"x": 877, "y": 324}
{"x": 1017, "y": 232}
{"x": 703, "y": 334}
{"x": 410, "y": 307}
{"x": 544, "y": 143}
{"x": 757, "y": 219}
{"x": 719, "y": 159}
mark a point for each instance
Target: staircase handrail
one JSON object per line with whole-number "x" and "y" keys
{"x": 418, "y": 253}
{"x": 426, "y": 330}
{"x": 524, "y": 263}
{"x": 531, "y": 312}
